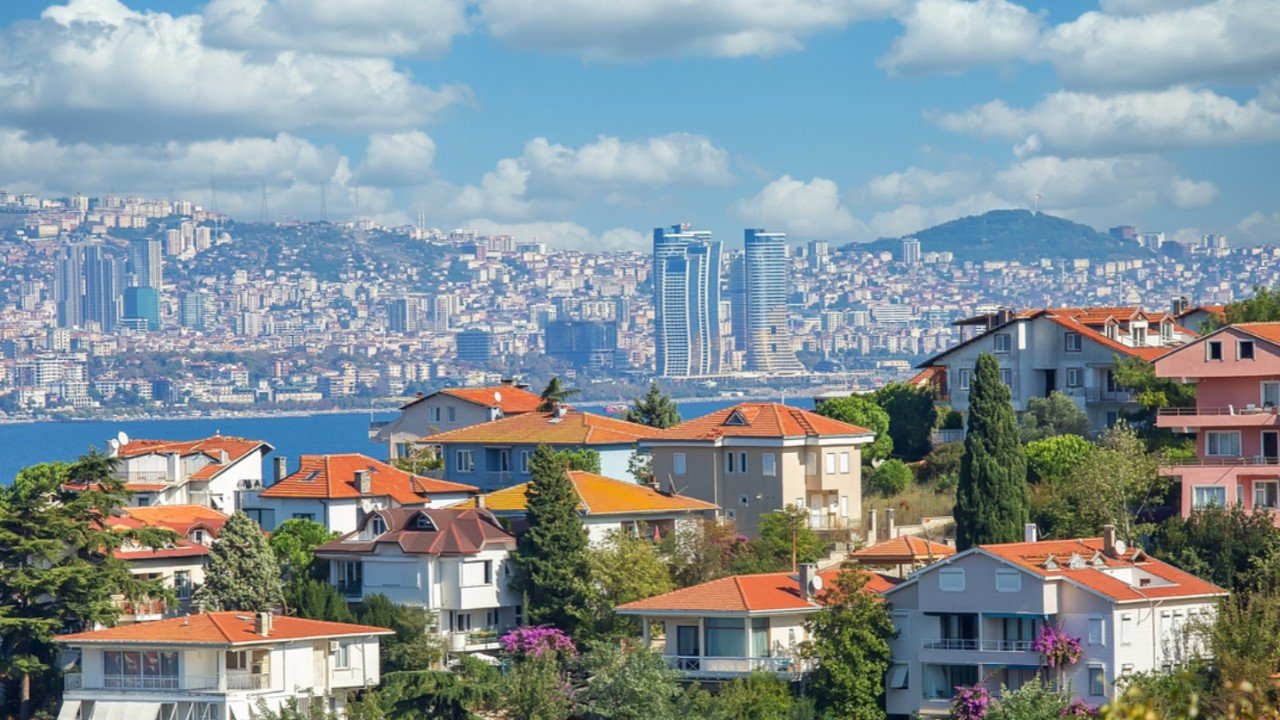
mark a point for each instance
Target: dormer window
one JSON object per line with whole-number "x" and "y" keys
{"x": 422, "y": 522}
{"x": 1213, "y": 350}
{"x": 735, "y": 418}
{"x": 198, "y": 537}
{"x": 1244, "y": 349}
{"x": 377, "y": 526}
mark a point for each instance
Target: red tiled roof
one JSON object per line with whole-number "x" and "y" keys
{"x": 753, "y": 419}
{"x": 331, "y": 477}
{"x": 511, "y": 400}
{"x": 219, "y": 628}
{"x": 213, "y": 447}
{"x": 455, "y": 531}
{"x": 904, "y": 549}
{"x": 767, "y": 592}
{"x": 1269, "y": 331}
{"x": 181, "y": 519}
{"x": 599, "y": 495}
{"x": 573, "y": 428}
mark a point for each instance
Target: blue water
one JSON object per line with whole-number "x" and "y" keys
{"x": 31, "y": 443}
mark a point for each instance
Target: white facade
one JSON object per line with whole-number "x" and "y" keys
{"x": 171, "y": 474}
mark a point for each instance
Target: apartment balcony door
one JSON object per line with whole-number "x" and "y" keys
{"x": 1050, "y": 381}
{"x": 1271, "y": 447}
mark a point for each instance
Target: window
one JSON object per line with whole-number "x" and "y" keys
{"x": 898, "y": 679}
{"x": 377, "y": 526}
{"x": 1008, "y": 581}
{"x": 1097, "y": 631}
{"x": 830, "y": 463}
{"x": 1003, "y": 342}
{"x": 744, "y": 501}
{"x": 844, "y": 462}
{"x": 1097, "y": 681}
{"x": 1222, "y": 443}
{"x": 342, "y": 656}
{"x": 140, "y": 669}
{"x": 759, "y": 637}
{"x": 941, "y": 681}
{"x": 844, "y": 506}
{"x": 182, "y": 584}
{"x": 198, "y": 537}
{"x": 1213, "y": 350}
{"x": 730, "y": 462}
{"x": 1166, "y": 331}
{"x": 435, "y": 414}
{"x": 422, "y": 522}
{"x": 477, "y": 573}
{"x": 525, "y": 456}
{"x": 811, "y": 463}
{"x": 1271, "y": 394}
{"x": 726, "y": 637}
{"x": 237, "y": 660}
{"x": 769, "y": 464}
{"x": 465, "y": 461}
{"x": 453, "y": 414}
{"x": 1209, "y": 496}
{"x": 742, "y": 462}
{"x": 304, "y": 516}
{"x": 1139, "y": 336}
{"x": 951, "y": 580}
{"x": 1244, "y": 349}
{"x": 678, "y": 463}
{"x": 1266, "y": 494}
{"x": 1006, "y": 376}
{"x": 1075, "y": 377}
{"x": 488, "y": 572}
{"x": 503, "y": 461}
{"x": 1126, "y": 629}
{"x": 962, "y": 379}
{"x": 142, "y": 500}
{"x": 1071, "y": 341}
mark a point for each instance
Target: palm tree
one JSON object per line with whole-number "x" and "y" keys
{"x": 554, "y": 394}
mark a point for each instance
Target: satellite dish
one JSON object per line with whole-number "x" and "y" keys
{"x": 122, "y": 438}
{"x": 815, "y": 583}
{"x": 497, "y": 396}
{"x": 1120, "y": 547}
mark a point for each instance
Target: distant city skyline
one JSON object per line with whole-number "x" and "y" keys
{"x": 866, "y": 118}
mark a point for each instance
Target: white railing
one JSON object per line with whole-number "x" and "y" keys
{"x": 1007, "y": 645}
{"x": 72, "y": 681}
{"x": 199, "y": 683}
{"x": 700, "y": 665}
{"x": 146, "y": 476}
{"x": 951, "y": 644}
{"x": 945, "y": 436}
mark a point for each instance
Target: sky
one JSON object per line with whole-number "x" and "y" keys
{"x": 586, "y": 123}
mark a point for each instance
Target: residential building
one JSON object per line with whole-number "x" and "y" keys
{"x": 1070, "y": 350}
{"x": 973, "y": 618}
{"x": 455, "y": 563}
{"x": 475, "y": 346}
{"x": 606, "y": 505}
{"x": 146, "y": 263}
{"x": 449, "y": 409}
{"x": 587, "y": 344}
{"x": 1236, "y": 371}
{"x": 103, "y": 287}
{"x": 179, "y": 566}
{"x": 211, "y": 471}
{"x": 910, "y": 251}
{"x": 216, "y": 666}
{"x": 734, "y": 626}
{"x": 338, "y": 490}
{"x": 68, "y": 286}
{"x": 686, "y": 298}
{"x": 496, "y": 454}
{"x": 142, "y": 304}
{"x": 767, "y": 337}
{"x": 756, "y": 458}
{"x": 404, "y": 315}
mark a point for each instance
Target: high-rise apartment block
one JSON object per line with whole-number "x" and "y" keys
{"x": 68, "y": 286}
{"x": 103, "y": 287}
{"x": 686, "y": 286}
{"x": 910, "y": 251}
{"x": 145, "y": 263}
{"x": 403, "y": 315}
{"x": 767, "y": 338}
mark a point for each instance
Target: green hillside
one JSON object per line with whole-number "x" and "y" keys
{"x": 1015, "y": 235}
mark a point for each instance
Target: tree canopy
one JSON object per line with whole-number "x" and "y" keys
{"x": 625, "y": 568}
{"x": 849, "y": 637}
{"x": 243, "y": 573}
{"x": 294, "y": 544}
{"x": 655, "y": 409}
{"x": 555, "y": 393}
{"x": 991, "y": 498}
{"x": 863, "y": 411}
{"x": 1047, "y": 417}
{"x": 912, "y": 416}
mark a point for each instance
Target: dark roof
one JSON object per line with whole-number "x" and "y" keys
{"x": 453, "y": 531}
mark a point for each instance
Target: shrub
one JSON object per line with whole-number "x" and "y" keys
{"x": 890, "y": 478}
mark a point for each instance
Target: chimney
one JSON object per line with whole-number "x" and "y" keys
{"x": 1030, "y": 533}
{"x": 1109, "y": 539}
{"x": 872, "y": 531}
{"x": 480, "y": 501}
{"x": 262, "y": 624}
{"x": 560, "y": 410}
{"x": 808, "y": 571}
{"x": 890, "y": 531}
{"x": 281, "y": 465}
{"x": 364, "y": 482}
{"x": 223, "y": 457}
{"x": 173, "y": 467}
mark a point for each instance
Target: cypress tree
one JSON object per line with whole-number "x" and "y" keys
{"x": 991, "y": 500}
{"x": 243, "y": 573}
{"x": 552, "y": 554}
{"x": 655, "y": 409}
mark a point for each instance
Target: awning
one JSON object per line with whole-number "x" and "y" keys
{"x": 239, "y": 710}
{"x": 141, "y": 711}
{"x": 1015, "y": 616}
{"x": 106, "y": 710}
{"x": 70, "y": 710}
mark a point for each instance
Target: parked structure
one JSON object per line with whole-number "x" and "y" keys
{"x": 1071, "y": 350}
{"x": 450, "y": 409}
{"x": 455, "y": 563}
{"x": 179, "y": 566}
{"x": 974, "y": 618}
{"x": 216, "y": 666}
{"x": 1236, "y": 371}
{"x": 755, "y": 458}
{"x": 338, "y": 490}
{"x": 210, "y": 472}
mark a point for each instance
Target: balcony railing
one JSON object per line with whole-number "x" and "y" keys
{"x": 951, "y": 644}
{"x": 231, "y": 682}
{"x": 699, "y": 665}
{"x": 1223, "y": 461}
{"x": 1102, "y": 394}
{"x": 146, "y": 476}
{"x": 351, "y": 589}
{"x": 140, "y": 607}
{"x": 1007, "y": 645}
{"x": 1226, "y": 410}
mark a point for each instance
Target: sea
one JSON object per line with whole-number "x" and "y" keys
{"x": 24, "y": 444}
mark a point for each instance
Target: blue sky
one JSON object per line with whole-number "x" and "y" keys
{"x": 585, "y": 123}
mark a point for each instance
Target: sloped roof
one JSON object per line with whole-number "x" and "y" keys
{"x": 1269, "y": 331}
{"x": 599, "y": 495}
{"x": 571, "y": 428}
{"x": 760, "y": 420}
{"x": 219, "y": 628}
{"x": 457, "y": 531}
{"x": 511, "y": 400}
{"x": 903, "y": 549}
{"x": 331, "y": 477}
{"x": 766, "y": 592}
{"x": 181, "y": 519}
{"x": 236, "y": 449}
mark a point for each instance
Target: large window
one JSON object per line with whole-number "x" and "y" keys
{"x": 140, "y": 669}
{"x": 1008, "y": 581}
{"x": 1222, "y": 443}
{"x": 465, "y": 461}
{"x": 1266, "y": 494}
{"x": 1271, "y": 393}
{"x": 1213, "y": 350}
{"x": 726, "y": 637}
{"x": 1209, "y": 496}
{"x": 678, "y": 463}
{"x": 951, "y": 580}
{"x": 760, "y": 637}
{"x": 941, "y": 681}
{"x": 1072, "y": 342}
{"x": 769, "y": 464}
{"x": 1097, "y": 681}
{"x": 182, "y": 584}
{"x": 1003, "y": 342}
{"x": 1244, "y": 349}
{"x": 1097, "y": 631}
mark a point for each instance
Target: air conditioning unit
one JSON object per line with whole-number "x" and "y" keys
{"x": 250, "y": 484}
{"x": 334, "y": 645}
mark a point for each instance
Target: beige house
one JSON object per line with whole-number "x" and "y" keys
{"x": 756, "y": 458}
{"x": 450, "y": 409}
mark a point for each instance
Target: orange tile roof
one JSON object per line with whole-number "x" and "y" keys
{"x": 213, "y": 447}
{"x": 218, "y": 628}
{"x": 181, "y": 519}
{"x": 1033, "y": 556}
{"x": 1269, "y": 331}
{"x": 761, "y": 420}
{"x": 331, "y": 477}
{"x": 573, "y": 428}
{"x": 902, "y": 550}
{"x": 766, "y": 592}
{"x": 599, "y": 495}
{"x": 511, "y": 400}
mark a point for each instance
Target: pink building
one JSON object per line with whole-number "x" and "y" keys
{"x": 1236, "y": 371}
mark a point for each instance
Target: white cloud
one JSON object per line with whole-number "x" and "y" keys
{"x": 1071, "y": 123}
{"x": 1167, "y": 43}
{"x": 368, "y": 27}
{"x": 951, "y": 36}
{"x": 95, "y": 70}
{"x": 1143, "y": 7}
{"x": 637, "y": 29}
{"x": 561, "y": 234}
{"x": 1259, "y": 228}
{"x": 911, "y": 218}
{"x": 1088, "y": 186}
{"x": 397, "y": 159}
{"x": 1191, "y": 194}
{"x": 807, "y": 209}
{"x": 914, "y": 185}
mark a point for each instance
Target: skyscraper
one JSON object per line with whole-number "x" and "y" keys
{"x": 145, "y": 258}
{"x": 143, "y": 303}
{"x": 910, "y": 251}
{"x": 68, "y": 286}
{"x": 686, "y": 290}
{"x": 403, "y": 315}
{"x": 103, "y": 286}
{"x": 767, "y": 338}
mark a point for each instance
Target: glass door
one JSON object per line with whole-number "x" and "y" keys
{"x": 688, "y": 647}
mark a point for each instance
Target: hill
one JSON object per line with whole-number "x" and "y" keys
{"x": 1015, "y": 235}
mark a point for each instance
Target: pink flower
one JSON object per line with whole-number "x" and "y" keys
{"x": 536, "y": 641}
{"x": 970, "y": 703}
{"x": 1058, "y": 648}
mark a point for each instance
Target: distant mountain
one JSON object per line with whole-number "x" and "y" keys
{"x": 1015, "y": 235}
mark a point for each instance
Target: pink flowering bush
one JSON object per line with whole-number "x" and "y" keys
{"x": 537, "y": 641}
{"x": 1078, "y": 709}
{"x": 1058, "y": 648}
{"x": 970, "y": 703}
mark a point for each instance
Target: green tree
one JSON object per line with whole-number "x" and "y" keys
{"x": 1119, "y": 483}
{"x": 912, "y": 415}
{"x": 849, "y": 638}
{"x": 702, "y": 550}
{"x": 58, "y": 570}
{"x": 1264, "y": 306}
{"x": 294, "y": 544}
{"x": 758, "y": 696}
{"x": 460, "y": 694}
{"x": 1053, "y": 458}
{"x": 655, "y": 409}
{"x": 1152, "y": 393}
{"x": 535, "y": 689}
{"x": 991, "y": 499}
{"x": 943, "y": 462}
{"x": 863, "y": 411}
{"x": 307, "y": 597}
{"x": 1035, "y": 700}
{"x": 413, "y": 646}
{"x": 1046, "y": 417}
{"x": 243, "y": 574}
{"x": 781, "y": 532}
{"x": 623, "y": 569}
{"x": 554, "y": 394}
{"x": 581, "y": 459}
{"x": 627, "y": 685}
{"x": 640, "y": 467}
{"x": 552, "y": 554}
{"x": 1233, "y": 548}
{"x": 889, "y": 478}
{"x": 420, "y": 461}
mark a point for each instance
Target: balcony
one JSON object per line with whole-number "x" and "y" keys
{"x": 951, "y": 644}
{"x": 693, "y": 666}
{"x": 231, "y": 682}
{"x": 1007, "y": 646}
{"x": 138, "y": 610}
{"x": 1229, "y": 416}
{"x": 1101, "y": 394}
{"x": 352, "y": 589}
{"x": 150, "y": 477}
{"x": 475, "y": 639}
